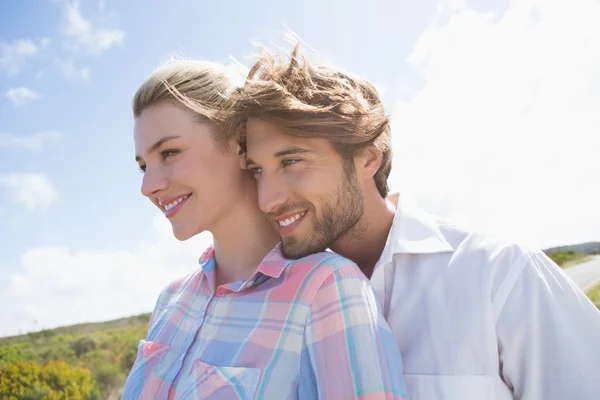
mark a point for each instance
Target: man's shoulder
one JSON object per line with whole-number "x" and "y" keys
{"x": 436, "y": 239}
{"x": 482, "y": 245}
{"x": 492, "y": 260}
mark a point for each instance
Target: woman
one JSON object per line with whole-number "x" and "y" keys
{"x": 249, "y": 324}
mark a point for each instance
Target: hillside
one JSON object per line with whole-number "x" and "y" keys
{"x": 93, "y": 360}
{"x": 567, "y": 256}
{"x": 585, "y": 248}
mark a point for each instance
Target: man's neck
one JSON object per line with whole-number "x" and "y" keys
{"x": 366, "y": 241}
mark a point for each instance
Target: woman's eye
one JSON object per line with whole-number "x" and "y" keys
{"x": 142, "y": 168}
{"x": 167, "y": 153}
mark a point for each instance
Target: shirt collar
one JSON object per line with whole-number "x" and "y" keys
{"x": 272, "y": 265}
{"x": 413, "y": 231}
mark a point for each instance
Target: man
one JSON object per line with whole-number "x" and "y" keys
{"x": 475, "y": 318}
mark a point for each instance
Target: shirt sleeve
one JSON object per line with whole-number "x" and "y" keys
{"x": 349, "y": 351}
{"x": 549, "y": 335}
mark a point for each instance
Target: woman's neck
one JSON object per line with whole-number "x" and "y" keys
{"x": 242, "y": 240}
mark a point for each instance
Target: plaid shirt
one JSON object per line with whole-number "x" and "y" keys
{"x": 296, "y": 329}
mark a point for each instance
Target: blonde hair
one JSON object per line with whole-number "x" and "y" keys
{"x": 203, "y": 87}
{"x": 316, "y": 101}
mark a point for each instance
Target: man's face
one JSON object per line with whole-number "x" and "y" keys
{"x": 310, "y": 194}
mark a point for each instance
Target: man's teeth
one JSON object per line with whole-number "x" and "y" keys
{"x": 173, "y": 204}
{"x": 292, "y": 219}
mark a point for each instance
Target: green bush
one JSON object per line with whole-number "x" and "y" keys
{"x": 106, "y": 351}
{"x": 108, "y": 375}
{"x": 83, "y": 345}
{"x": 566, "y": 257}
{"x": 128, "y": 359}
{"x": 53, "y": 381}
{"x": 9, "y": 354}
{"x": 59, "y": 352}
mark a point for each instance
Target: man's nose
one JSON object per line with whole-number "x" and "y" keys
{"x": 272, "y": 193}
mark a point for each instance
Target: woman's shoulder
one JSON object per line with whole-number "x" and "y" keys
{"x": 318, "y": 269}
{"x": 170, "y": 298}
{"x": 180, "y": 283}
{"x": 173, "y": 291}
{"x": 324, "y": 260}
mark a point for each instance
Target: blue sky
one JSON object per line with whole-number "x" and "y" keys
{"x": 493, "y": 104}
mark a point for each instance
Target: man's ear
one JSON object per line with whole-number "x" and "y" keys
{"x": 369, "y": 161}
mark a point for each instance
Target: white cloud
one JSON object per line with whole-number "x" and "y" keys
{"x": 31, "y": 190}
{"x": 13, "y": 56}
{"x": 34, "y": 142}
{"x": 56, "y": 286}
{"x": 21, "y": 95}
{"x": 504, "y": 134}
{"x": 81, "y": 32}
{"x": 70, "y": 71}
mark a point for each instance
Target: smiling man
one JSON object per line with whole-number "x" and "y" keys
{"x": 318, "y": 188}
{"x": 475, "y": 318}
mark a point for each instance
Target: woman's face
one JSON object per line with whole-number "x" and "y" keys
{"x": 191, "y": 178}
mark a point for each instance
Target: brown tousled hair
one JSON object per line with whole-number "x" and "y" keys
{"x": 315, "y": 101}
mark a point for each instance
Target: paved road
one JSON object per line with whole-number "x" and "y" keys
{"x": 585, "y": 274}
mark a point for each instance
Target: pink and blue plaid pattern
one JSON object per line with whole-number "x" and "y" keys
{"x": 297, "y": 329}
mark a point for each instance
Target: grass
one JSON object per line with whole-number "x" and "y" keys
{"x": 594, "y": 295}
{"x": 566, "y": 259}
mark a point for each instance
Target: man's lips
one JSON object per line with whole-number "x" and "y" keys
{"x": 288, "y": 222}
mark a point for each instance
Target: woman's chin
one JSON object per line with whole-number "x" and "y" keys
{"x": 182, "y": 234}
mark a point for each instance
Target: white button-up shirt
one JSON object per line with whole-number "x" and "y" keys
{"x": 478, "y": 319}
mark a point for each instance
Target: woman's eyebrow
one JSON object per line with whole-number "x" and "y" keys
{"x": 156, "y": 145}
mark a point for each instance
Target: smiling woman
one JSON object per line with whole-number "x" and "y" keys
{"x": 249, "y": 323}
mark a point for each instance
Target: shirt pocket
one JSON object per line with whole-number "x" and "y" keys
{"x": 224, "y": 383}
{"x": 450, "y": 387}
{"x": 143, "y": 380}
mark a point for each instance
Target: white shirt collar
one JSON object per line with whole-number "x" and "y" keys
{"x": 413, "y": 231}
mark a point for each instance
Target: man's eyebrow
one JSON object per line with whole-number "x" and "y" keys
{"x": 282, "y": 153}
{"x": 156, "y": 145}
{"x": 291, "y": 151}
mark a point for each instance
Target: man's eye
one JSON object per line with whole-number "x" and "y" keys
{"x": 142, "y": 168}
{"x": 255, "y": 170}
{"x": 289, "y": 162}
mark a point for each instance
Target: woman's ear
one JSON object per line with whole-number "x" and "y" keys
{"x": 237, "y": 148}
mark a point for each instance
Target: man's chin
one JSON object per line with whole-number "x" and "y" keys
{"x": 293, "y": 251}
